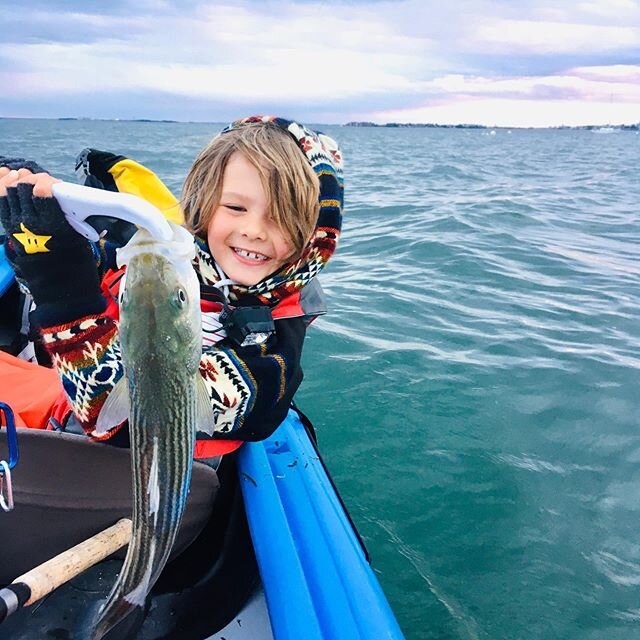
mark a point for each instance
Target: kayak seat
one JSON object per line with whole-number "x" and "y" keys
{"x": 67, "y": 488}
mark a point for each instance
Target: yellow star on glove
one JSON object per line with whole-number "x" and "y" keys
{"x": 31, "y": 242}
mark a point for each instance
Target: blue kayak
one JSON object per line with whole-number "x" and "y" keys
{"x": 317, "y": 580}
{"x": 6, "y": 273}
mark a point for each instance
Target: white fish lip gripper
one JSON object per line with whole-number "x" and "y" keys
{"x": 79, "y": 203}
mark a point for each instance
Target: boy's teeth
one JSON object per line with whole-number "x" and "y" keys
{"x": 252, "y": 256}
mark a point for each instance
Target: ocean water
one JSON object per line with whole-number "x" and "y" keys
{"x": 476, "y": 384}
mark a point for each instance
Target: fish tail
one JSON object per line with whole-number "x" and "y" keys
{"x": 123, "y": 612}
{"x": 118, "y": 619}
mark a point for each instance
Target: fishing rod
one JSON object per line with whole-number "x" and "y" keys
{"x": 43, "y": 579}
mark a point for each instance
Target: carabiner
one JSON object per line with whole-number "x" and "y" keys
{"x": 6, "y": 419}
{"x": 5, "y": 481}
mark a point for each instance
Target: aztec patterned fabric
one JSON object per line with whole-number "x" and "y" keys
{"x": 86, "y": 354}
{"x": 250, "y": 388}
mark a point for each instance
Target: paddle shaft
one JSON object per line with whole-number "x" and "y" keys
{"x": 44, "y": 578}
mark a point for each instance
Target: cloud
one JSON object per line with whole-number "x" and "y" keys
{"x": 517, "y": 112}
{"x": 597, "y": 84}
{"x": 222, "y": 52}
{"x": 554, "y": 37}
{"x": 328, "y": 59}
{"x": 576, "y": 97}
{"x": 621, "y": 73}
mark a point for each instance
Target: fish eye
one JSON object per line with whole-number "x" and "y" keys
{"x": 180, "y": 296}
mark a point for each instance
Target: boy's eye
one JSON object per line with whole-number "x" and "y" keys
{"x": 235, "y": 207}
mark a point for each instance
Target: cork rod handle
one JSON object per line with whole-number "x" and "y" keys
{"x": 48, "y": 576}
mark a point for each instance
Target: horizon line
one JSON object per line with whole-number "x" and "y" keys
{"x": 351, "y": 123}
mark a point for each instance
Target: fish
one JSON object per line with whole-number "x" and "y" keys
{"x": 163, "y": 396}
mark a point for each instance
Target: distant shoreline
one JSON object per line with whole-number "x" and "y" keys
{"x": 120, "y": 120}
{"x": 79, "y": 119}
{"x": 386, "y": 125}
{"x": 429, "y": 125}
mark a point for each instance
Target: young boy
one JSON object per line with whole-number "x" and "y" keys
{"x": 264, "y": 201}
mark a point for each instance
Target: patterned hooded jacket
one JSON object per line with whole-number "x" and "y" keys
{"x": 250, "y": 388}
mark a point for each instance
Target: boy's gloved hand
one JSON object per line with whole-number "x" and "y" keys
{"x": 57, "y": 264}
{"x": 20, "y": 163}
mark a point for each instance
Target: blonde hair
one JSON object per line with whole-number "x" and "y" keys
{"x": 291, "y": 186}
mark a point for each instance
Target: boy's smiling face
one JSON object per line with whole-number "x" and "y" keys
{"x": 243, "y": 238}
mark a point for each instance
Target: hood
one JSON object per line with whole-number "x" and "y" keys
{"x": 325, "y": 158}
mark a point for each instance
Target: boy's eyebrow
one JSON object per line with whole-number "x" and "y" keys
{"x": 233, "y": 195}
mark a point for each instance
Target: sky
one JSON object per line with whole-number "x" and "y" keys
{"x": 497, "y": 63}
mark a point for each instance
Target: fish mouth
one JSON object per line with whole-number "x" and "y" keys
{"x": 182, "y": 247}
{"x": 147, "y": 260}
{"x": 146, "y": 268}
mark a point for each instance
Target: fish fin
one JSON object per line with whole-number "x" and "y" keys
{"x": 116, "y": 408}
{"x": 204, "y": 411}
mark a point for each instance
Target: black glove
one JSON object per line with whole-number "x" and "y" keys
{"x": 57, "y": 264}
{"x": 21, "y": 163}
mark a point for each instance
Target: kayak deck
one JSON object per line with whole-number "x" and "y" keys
{"x": 61, "y": 614}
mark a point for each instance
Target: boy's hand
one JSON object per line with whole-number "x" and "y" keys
{"x": 41, "y": 181}
{"x": 35, "y": 225}
{"x": 16, "y": 164}
{"x": 14, "y": 171}
{"x": 56, "y": 263}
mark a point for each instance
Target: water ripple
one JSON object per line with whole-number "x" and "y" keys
{"x": 476, "y": 380}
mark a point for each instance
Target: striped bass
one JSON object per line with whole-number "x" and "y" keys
{"x": 164, "y": 398}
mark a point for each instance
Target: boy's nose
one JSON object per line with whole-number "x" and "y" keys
{"x": 253, "y": 227}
